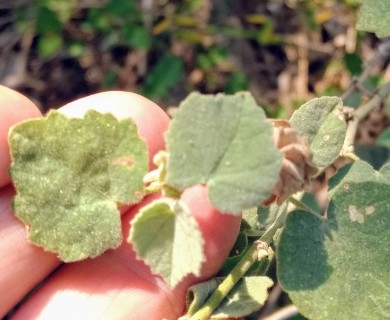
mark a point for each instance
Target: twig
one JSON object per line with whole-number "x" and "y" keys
{"x": 283, "y": 313}
{"x": 272, "y": 301}
{"x": 226, "y": 285}
{"x": 239, "y": 270}
{"x": 360, "y": 113}
{"x": 357, "y": 83}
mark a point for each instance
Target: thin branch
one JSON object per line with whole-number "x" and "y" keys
{"x": 357, "y": 83}
{"x": 360, "y": 113}
{"x": 226, "y": 285}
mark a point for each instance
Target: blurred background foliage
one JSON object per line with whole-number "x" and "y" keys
{"x": 284, "y": 51}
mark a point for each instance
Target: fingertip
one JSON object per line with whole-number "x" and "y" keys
{"x": 220, "y": 230}
{"x": 14, "y": 108}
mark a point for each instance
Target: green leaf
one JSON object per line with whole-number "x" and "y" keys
{"x": 137, "y": 37}
{"x": 338, "y": 268}
{"x": 236, "y": 82}
{"x": 49, "y": 44}
{"x": 47, "y": 21}
{"x": 384, "y": 139}
{"x": 375, "y": 17}
{"x": 163, "y": 76}
{"x": 71, "y": 175}
{"x": 248, "y": 296}
{"x": 225, "y": 142}
{"x": 250, "y": 222}
{"x": 123, "y": 9}
{"x": 321, "y": 120}
{"x": 167, "y": 237}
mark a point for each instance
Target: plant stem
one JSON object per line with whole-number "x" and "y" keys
{"x": 360, "y": 113}
{"x": 238, "y": 271}
{"x": 352, "y": 156}
{"x": 226, "y": 285}
{"x": 300, "y": 205}
{"x": 357, "y": 84}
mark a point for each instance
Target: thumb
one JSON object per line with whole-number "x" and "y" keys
{"x": 118, "y": 286}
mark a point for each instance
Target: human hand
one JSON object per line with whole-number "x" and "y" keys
{"x": 114, "y": 285}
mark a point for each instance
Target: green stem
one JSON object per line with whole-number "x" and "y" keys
{"x": 205, "y": 312}
{"x": 238, "y": 271}
{"x": 352, "y": 156}
{"x": 300, "y": 205}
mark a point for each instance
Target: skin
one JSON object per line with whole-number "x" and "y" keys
{"x": 114, "y": 285}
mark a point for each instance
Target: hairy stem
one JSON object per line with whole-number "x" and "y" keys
{"x": 360, "y": 113}
{"x": 239, "y": 270}
{"x": 226, "y": 285}
{"x": 300, "y": 205}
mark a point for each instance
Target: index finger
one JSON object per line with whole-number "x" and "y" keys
{"x": 14, "y": 108}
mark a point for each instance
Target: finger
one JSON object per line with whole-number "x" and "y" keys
{"x": 117, "y": 286}
{"x": 122, "y": 105}
{"x": 22, "y": 265}
{"x": 14, "y": 108}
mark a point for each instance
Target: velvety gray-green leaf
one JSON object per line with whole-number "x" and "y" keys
{"x": 384, "y": 139}
{"x": 321, "y": 120}
{"x": 374, "y": 16}
{"x": 70, "y": 176}
{"x": 167, "y": 237}
{"x": 225, "y": 142}
{"x": 248, "y": 296}
{"x": 344, "y": 258}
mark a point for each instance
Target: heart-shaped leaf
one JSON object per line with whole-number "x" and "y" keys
{"x": 225, "y": 142}
{"x": 71, "y": 175}
{"x": 338, "y": 268}
{"x": 167, "y": 237}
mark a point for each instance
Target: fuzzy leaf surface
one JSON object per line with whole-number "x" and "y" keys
{"x": 344, "y": 258}
{"x": 225, "y": 142}
{"x": 321, "y": 121}
{"x": 167, "y": 237}
{"x": 374, "y": 16}
{"x": 248, "y": 296}
{"x": 70, "y": 176}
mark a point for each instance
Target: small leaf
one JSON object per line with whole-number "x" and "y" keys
{"x": 321, "y": 120}
{"x": 344, "y": 258}
{"x": 250, "y": 222}
{"x": 225, "y": 142}
{"x": 137, "y": 36}
{"x": 168, "y": 239}
{"x": 374, "y": 16}
{"x": 70, "y": 176}
{"x": 49, "y": 44}
{"x": 47, "y": 21}
{"x": 163, "y": 76}
{"x": 248, "y": 296}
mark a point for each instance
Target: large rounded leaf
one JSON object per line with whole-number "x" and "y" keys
{"x": 70, "y": 176}
{"x": 339, "y": 268}
{"x": 225, "y": 142}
